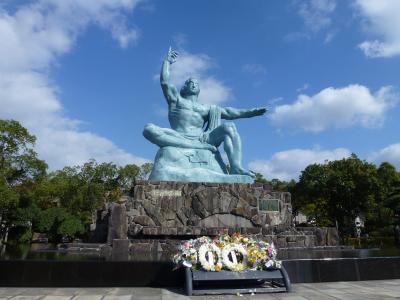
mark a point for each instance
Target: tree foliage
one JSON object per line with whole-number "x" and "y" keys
{"x": 18, "y": 160}
{"x": 81, "y": 190}
{"x": 58, "y": 222}
{"x": 145, "y": 171}
{"x": 19, "y": 169}
{"x": 275, "y": 184}
{"x": 338, "y": 191}
{"x": 61, "y": 202}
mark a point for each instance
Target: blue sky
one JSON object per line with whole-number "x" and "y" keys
{"x": 82, "y": 75}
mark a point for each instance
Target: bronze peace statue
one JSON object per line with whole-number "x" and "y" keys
{"x": 189, "y": 149}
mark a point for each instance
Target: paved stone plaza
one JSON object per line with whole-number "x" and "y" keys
{"x": 365, "y": 290}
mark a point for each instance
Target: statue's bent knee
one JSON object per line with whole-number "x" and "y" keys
{"x": 149, "y": 131}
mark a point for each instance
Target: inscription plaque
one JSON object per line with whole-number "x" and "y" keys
{"x": 166, "y": 193}
{"x": 271, "y": 205}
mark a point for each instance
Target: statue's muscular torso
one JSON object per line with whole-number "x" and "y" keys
{"x": 187, "y": 117}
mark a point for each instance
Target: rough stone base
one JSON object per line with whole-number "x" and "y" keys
{"x": 157, "y": 216}
{"x": 183, "y": 209}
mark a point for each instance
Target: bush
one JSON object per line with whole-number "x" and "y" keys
{"x": 57, "y": 222}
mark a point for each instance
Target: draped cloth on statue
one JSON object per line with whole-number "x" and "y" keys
{"x": 214, "y": 117}
{"x": 196, "y": 165}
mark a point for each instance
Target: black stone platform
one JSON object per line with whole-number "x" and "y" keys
{"x": 198, "y": 282}
{"x": 343, "y": 269}
{"x": 36, "y": 273}
{"x": 47, "y": 273}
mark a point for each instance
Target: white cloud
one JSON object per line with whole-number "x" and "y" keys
{"x": 212, "y": 90}
{"x": 296, "y": 36}
{"x": 317, "y": 18}
{"x": 380, "y": 18}
{"x": 316, "y": 13}
{"x": 389, "y": 154}
{"x": 35, "y": 35}
{"x": 33, "y": 38}
{"x": 329, "y": 37}
{"x": 303, "y": 88}
{"x": 70, "y": 147}
{"x": 255, "y": 69}
{"x": 287, "y": 165}
{"x": 337, "y": 108}
{"x": 275, "y": 100}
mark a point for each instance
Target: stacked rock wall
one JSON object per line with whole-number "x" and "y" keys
{"x": 177, "y": 208}
{"x": 156, "y": 216}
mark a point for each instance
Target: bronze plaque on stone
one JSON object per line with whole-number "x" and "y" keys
{"x": 268, "y": 205}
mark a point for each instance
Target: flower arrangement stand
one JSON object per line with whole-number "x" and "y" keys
{"x": 277, "y": 279}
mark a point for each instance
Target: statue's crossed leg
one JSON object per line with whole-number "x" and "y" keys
{"x": 164, "y": 137}
{"x": 225, "y": 133}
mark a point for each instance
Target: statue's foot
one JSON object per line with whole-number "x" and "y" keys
{"x": 241, "y": 171}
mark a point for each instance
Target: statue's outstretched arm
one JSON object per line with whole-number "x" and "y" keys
{"x": 230, "y": 113}
{"x": 170, "y": 92}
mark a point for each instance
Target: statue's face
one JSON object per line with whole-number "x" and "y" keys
{"x": 191, "y": 87}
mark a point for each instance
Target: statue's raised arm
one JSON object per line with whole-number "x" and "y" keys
{"x": 170, "y": 92}
{"x": 230, "y": 113}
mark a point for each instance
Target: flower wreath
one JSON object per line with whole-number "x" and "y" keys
{"x": 233, "y": 264}
{"x": 209, "y": 264}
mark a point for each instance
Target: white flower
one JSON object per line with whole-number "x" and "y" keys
{"x": 209, "y": 249}
{"x": 234, "y": 264}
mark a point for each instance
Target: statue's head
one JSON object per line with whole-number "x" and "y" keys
{"x": 191, "y": 87}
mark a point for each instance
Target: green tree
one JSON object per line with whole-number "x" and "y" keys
{"x": 128, "y": 175}
{"x": 393, "y": 203}
{"x": 310, "y": 194}
{"x": 281, "y": 185}
{"x": 380, "y": 217}
{"x": 145, "y": 171}
{"x": 19, "y": 169}
{"x": 58, "y": 222}
{"x": 81, "y": 190}
{"x": 260, "y": 178}
{"x": 276, "y": 184}
{"x": 352, "y": 185}
{"x": 389, "y": 196}
{"x": 338, "y": 191}
{"x": 18, "y": 160}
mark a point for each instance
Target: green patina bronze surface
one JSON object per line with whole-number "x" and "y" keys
{"x": 189, "y": 149}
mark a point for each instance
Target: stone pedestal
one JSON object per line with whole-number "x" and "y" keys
{"x": 157, "y": 216}
{"x": 177, "y": 208}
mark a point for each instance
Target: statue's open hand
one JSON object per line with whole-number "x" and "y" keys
{"x": 258, "y": 111}
{"x": 171, "y": 56}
